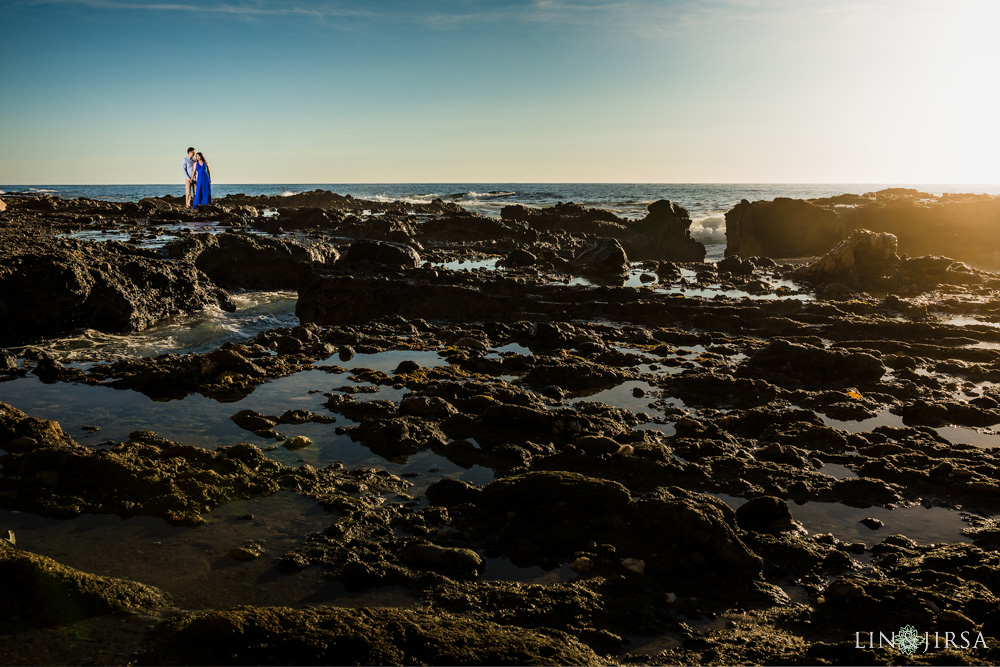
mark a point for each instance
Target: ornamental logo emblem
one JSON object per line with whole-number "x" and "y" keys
{"x": 908, "y": 639}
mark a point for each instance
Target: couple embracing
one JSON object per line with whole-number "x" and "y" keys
{"x": 197, "y": 180}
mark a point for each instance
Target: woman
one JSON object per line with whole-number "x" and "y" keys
{"x": 203, "y": 182}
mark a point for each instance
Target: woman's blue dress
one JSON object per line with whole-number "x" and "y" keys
{"x": 203, "y": 186}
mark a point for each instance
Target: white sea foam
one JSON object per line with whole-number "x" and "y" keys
{"x": 489, "y": 195}
{"x": 709, "y": 229}
{"x": 288, "y": 193}
{"x": 409, "y": 199}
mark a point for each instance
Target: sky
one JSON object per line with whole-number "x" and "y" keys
{"x": 466, "y": 91}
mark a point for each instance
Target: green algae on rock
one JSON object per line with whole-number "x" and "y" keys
{"x": 42, "y": 591}
{"x": 362, "y": 636}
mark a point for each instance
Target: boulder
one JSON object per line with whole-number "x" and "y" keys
{"x": 519, "y": 257}
{"x": 398, "y": 436}
{"x": 51, "y": 287}
{"x": 766, "y": 514}
{"x": 8, "y": 362}
{"x": 781, "y": 228}
{"x": 860, "y": 259}
{"x": 454, "y": 562}
{"x": 679, "y": 532}
{"x": 664, "y": 234}
{"x": 380, "y": 255}
{"x": 966, "y": 227}
{"x": 959, "y": 226}
{"x": 3, "y": 206}
{"x": 306, "y": 217}
{"x": 251, "y": 261}
{"x": 449, "y": 492}
{"x": 604, "y": 259}
{"x": 540, "y": 515}
{"x": 790, "y": 364}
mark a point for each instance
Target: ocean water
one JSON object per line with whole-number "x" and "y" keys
{"x": 707, "y": 202}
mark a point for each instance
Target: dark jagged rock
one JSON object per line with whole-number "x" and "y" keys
{"x": 862, "y": 258}
{"x": 550, "y": 514}
{"x": 380, "y": 255}
{"x": 51, "y": 287}
{"x": 784, "y": 363}
{"x": 448, "y": 492}
{"x": 604, "y": 259}
{"x": 782, "y": 228}
{"x": 539, "y": 516}
{"x": 250, "y": 261}
{"x": 765, "y": 514}
{"x": 664, "y": 234}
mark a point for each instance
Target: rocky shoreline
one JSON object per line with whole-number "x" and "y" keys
{"x": 666, "y": 520}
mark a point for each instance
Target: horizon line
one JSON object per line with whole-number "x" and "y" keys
{"x": 523, "y": 183}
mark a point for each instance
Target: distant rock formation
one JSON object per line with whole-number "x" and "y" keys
{"x": 663, "y": 235}
{"x": 965, "y": 227}
{"x": 782, "y": 228}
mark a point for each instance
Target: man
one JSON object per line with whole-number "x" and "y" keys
{"x": 188, "y": 177}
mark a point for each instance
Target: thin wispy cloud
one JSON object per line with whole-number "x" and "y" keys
{"x": 249, "y": 10}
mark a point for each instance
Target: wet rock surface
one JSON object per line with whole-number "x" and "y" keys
{"x": 566, "y": 470}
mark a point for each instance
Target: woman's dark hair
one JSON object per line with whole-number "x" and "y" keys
{"x": 202, "y": 156}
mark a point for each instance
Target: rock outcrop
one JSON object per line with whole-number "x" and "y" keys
{"x": 863, "y": 257}
{"x": 251, "y": 261}
{"x": 964, "y": 227}
{"x": 49, "y": 287}
{"x": 361, "y": 636}
{"x": 782, "y": 228}
{"x": 44, "y": 592}
{"x": 664, "y": 234}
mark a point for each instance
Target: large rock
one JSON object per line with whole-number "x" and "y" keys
{"x": 863, "y": 257}
{"x": 49, "y": 474}
{"x": 251, "y": 261}
{"x": 605, "y": 259}
{"x": 3, "y": 206}
{"x": 380, "y": 255}
{"x": 664, "y": 234}
{"x": 782, "y": 228}
{"x": 965, "y": 227}
{"x": 51, "y": 287}
{"x": 679, "y": 532}
{"x": 349, "y": 299}
{"x": 541, "y": 515}
{"x": 793, "y": 365}
{"x": 358, "y": 636}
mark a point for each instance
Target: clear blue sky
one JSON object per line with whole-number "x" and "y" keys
{"x": 113, "y": 91}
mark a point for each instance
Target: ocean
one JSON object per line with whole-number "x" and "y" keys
{"x": 707, "y": 202}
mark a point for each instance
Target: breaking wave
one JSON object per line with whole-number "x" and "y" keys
{"x": 709, "y": 229}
